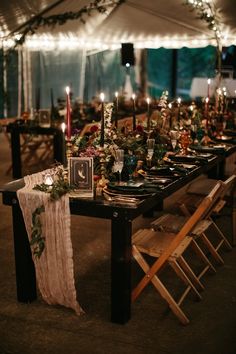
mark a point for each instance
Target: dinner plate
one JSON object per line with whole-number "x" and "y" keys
{"x": 114, "y": 193}
{"x": 224, "y": 138}
{"x": 158, "y": 179}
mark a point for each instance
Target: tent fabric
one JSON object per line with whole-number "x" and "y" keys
{"x": 148, "y": 23}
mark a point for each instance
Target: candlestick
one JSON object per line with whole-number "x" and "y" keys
{"x": 134, "y": 116}
{"x": 148, "y": 113}
{"x": 102, "y": 97}
{"x": 179, "y": 102}
{"x": 208, "y": 88}
{"x": 63, "y": 128}
{"x": 116, "y": 109}
{"x": 206, "y": 111}
{"x": 68, "y": 114}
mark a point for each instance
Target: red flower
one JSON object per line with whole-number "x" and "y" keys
{"x": 139, "y": 128}
{"x": 94, "y": 129}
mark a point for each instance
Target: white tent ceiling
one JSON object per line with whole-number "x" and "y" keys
{"x": 149, "y": 23}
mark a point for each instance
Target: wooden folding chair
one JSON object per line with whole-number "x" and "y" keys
{"x": 168, "y": 248}
{"x": 198, "y": 190}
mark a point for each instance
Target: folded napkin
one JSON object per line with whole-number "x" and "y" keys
{"x": 54, "y": 269}
{"x": 193, "y": 159}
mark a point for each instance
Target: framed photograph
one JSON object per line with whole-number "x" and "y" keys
{"x": 44, "y": 118}
{"x": 81, "y": 175}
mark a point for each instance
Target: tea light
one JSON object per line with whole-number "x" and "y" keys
{"x": 48, "y": 179}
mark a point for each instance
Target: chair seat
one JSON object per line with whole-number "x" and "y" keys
{"x": 202, "y": 186}
{"x": 173, "y": 223}
{"x": 154, "y": 243}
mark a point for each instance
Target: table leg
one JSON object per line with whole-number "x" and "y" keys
{"x": 121, "y": 269}
{"x": 25, "y": 271}
{"x": 59, "y": 147}
{"x": 16, "y": 154}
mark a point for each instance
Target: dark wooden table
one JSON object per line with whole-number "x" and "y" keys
{"x": 17, "y": 128}
{"x": 121, "y": 217}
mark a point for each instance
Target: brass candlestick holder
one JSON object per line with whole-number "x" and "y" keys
{"x": 68, "y": 149}
{"x": 102, "y": 181}
{"x": 68, "y": 156}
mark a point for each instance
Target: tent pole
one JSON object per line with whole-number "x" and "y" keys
{"x": 19, "y": 103}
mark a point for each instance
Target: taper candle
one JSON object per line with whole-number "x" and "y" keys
{"x": 134, "y": 116}
{"x": 208, "y": 88}
{"x": 68, "y": 114}
{"x": 148, "y": 113}
{"x": 63, "y": 128}
{"x": 179, "y": 103}
{"x": 102, "y": 97}
{"x": 116, "y": 109}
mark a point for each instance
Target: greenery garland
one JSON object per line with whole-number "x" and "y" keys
{"x": 59, "y": 187}
{"x": 60, "y": 19}
{"x": 207, "y": 12}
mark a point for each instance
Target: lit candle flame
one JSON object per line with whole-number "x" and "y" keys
{"x": 133, "y": 96}
{"x": 67, "y": 90}
{"x": 116, "y": 94}
{"x": 63, "y": 127}
{"x": 148, "y": 100}
{"x": 102, "y": 96}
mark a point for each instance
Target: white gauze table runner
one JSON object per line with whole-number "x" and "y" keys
{"x": 54, "y": 269}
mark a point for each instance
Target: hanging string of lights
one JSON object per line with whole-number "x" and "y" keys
{"x": 207, "y": 12}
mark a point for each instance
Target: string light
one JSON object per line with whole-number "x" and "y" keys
{"x": 206, "y": 11}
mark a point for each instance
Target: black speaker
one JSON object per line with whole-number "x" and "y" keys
{"x": 127, "y": 54}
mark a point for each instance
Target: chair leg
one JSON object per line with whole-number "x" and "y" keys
{"x": 161, "y": 288}
{"x": 234, "y": 226}
{"x": 185, "y": 266}
{"x": 200, "y": 253}
{"x": 179, "y": 271}
{"x": 225, "y": 241}
{"x": 212, "y": 249}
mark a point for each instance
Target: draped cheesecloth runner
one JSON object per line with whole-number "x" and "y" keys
{"x": 54, "y": 269}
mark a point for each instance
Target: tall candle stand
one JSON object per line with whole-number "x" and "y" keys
{"x": 102, "y": 181}
{"x": 68, "y": 156}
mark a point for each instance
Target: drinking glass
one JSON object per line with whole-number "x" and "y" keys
{"x": 174, "y": 138}
{"x": 130, "y": 163}
{"x": 161, "y": 150}
{"x": 150, "y": 151}
{"x": 119, "y": 162}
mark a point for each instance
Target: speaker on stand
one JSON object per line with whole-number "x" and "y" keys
{"x": 127, "y": 55}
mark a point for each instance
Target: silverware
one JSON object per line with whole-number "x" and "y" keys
{"x": 120, "y": 199}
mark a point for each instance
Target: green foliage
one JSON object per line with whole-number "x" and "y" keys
{"x": 56, "y": 191}
{"x": 37, "y": 240}
{"x": 60, "y": 19}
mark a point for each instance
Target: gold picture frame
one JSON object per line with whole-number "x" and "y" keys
{"x": 81, "y": 175}
{"x": 44, "y": 118}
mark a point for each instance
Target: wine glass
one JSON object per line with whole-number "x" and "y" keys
{"x": 119, "y": 162}
{"x": 174, "y": 138}
{"x": 130, "y": 163}
{"x": 150, "y": 151}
